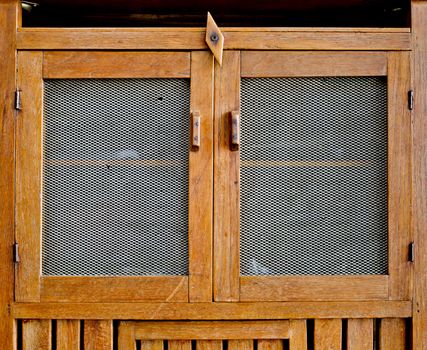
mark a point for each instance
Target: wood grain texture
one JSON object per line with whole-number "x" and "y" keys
{"x": 312, "y": 64}
{"x": 310, "y": 288}
{"x": 212, "y": 330}
{"x": 194, "y": 39}
{"x": 298, "y": 335}
{"x": 78, "y": 64}
{"x": 226, "y": 181}
{"x": 98, "y": 335}
{"x": 276, "y": 344}
{"x": 240, "y": 344}
{"x": 9, "y": 13}
{"x": 399, "y": 175}
{"x": 327, "y": 334}
{"x": 209, "y": 345}
{"x": 419, "y": 25}
{"x": 36, "y": 334}
{"x": 360, "y": 334}
{"x": 29, "y": 176}
{"x": 201, "y": 181}
{"x": 152, "y": 345}
{"x": 214, "y": 311}
{"x": 179, "y": 344}
{"x": 114, "y": 289}
{"x": 126, "y": 338}
{"x": 68, "y": 335}
{"x": 392, "y": 334}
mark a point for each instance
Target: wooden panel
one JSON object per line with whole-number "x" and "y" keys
{"x": 9, "y": 13}
{"x": 28, "y": 176}
{"x": 327, "y": 334}
{"x": 179, "y": 345}
{"x": 193, "y": 39}
{"x": 284, "y": 288}
{"x": 419, "y": 23}
{"x": 36, "y": 334}
{"x": 298, "y": 335}
{"x": 209, "y": 345}
{"x": 118, "y": 289}
{"x": 76, "y": 64}
{"x": 152, "y": 345}
{"x": 200, "y": 330}
{"x": 226, "y": 182}
{"x": 240, "y": 344}
{"x": 312, "y": 64}
{"x": 360, "y": 334}
{"x": 270, "y": 344}
{"x": 399, "y": 175}
{"x": 67, "y": 335}
{"x": 201, "y": 181}
{"x": 214, "y": 311}
{"x": 126, "y": 339}
{"x": 392, "y": 334}
{"x": 98, "y": 335}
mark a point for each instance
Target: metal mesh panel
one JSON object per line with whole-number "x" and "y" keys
{"x": 115, "y": 192}
{"x": 313, "y": 176}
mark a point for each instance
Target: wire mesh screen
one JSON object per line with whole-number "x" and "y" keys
{"x": 115, "y": 192}
{"x": 313, "y": 176}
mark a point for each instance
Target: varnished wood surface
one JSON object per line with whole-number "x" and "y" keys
{"x": 312, "y": 64}
{"x": 76, "y": 64}
{"x": 200, "y": 197}
{"x": 68, "y": 335}
{"x": 118, "y": 289}
{"x": 36, "y": 334}
{"x": 327, "y": 334}
{"x": 9, "y": 18}
{"x": 419, "y": 21}
{"x": 29, "y": 176}
{"x": 211, "y": 330}
{"x": 392, "y": 334}
{"x": 399, "y": 175}
{"x": 98, "y": 335}
{"x": 360, "y": 334}
{"x": 226, "y": 181}
{"x": 213, "y": 311}
{"x": 308, "y": 288}
{"x": 298, "y": 335}
{"x": 194, "y": 39}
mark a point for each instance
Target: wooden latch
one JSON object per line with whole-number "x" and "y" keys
{"x": 214, "y": 39}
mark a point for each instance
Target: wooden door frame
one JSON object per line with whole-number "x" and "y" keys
{"x": 229, "y": 286}
{"x": 33, "y": 67}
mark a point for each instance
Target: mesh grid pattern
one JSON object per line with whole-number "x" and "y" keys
{"x": 115, "y": 191}
{"x": 313, "y": 176}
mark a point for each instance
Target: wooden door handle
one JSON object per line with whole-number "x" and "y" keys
{"x": 195, "y": 131}
{"x": 235, "y": 130}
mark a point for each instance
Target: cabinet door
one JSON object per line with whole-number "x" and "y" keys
{"x": 314, "y": 203}
{"x": 114, "y": 197}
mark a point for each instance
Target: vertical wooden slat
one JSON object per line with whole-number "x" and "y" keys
{"x": 126, "y": 339}
{"x": 240, "y": 345}
{"x": 392, "y": 334}
{"x": 274, "y": 344}
{"x": 399, "y": 175}
{"x": 152, "y": 345}
{"x": 68, "y": 335}
{"x": 226, "y": 179}
{"x": 9, "y": 21}
{"x": 36, "y": 334}
{"x": 360, "y": 334}
{"x": 298, "y": 335}
{"x": 98, "y": 335}
{"x": 208, "y": 345}
{"x": 28, "y": 176}
{"x": 419, "y": 35}
{"x": 201, "y": 181}
{"x": 327, "y": 334}
{"x": 179, "y": 344}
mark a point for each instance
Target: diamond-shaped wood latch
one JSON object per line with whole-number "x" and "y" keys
{"x": 214, "y": 39}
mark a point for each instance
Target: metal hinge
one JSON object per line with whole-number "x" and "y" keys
{"x": 411, "y": 100}
{"x": 15, "y": 253}
{"x": 411, "y": 252}
{"x": 18, "y": 100}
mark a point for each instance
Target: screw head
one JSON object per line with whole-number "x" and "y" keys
{"x": 214, "y": 37}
